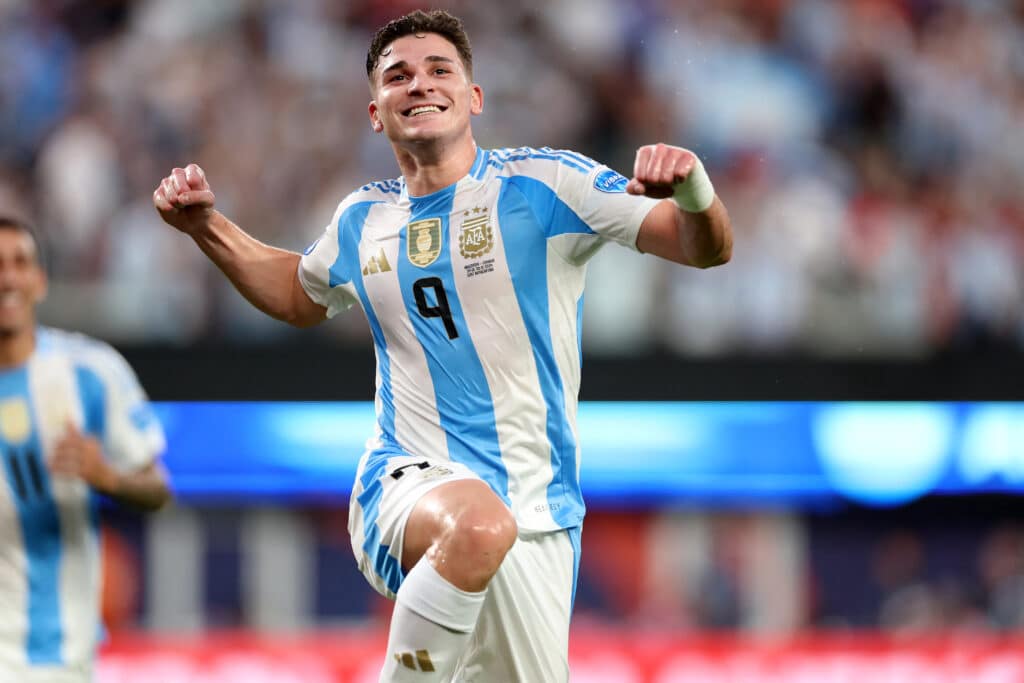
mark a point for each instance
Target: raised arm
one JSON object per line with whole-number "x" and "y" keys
{"x": 691, "y": 226}
{"x": 266, "y": 276}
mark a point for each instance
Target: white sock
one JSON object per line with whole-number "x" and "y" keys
{"x": 430, "y": 627}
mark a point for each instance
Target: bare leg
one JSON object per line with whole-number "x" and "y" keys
{"x": 455, "y": 540}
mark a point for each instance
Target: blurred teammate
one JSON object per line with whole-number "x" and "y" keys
{"x": 470, "y": 270}
{"x": 73, "y": 423}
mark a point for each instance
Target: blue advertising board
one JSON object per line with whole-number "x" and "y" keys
{"x": 635, "y": 454}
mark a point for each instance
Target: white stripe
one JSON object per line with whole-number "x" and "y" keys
{"x": 562, "y": 299}
{"x": 13, "y": 569}
{"x": 509, "y": 366}
{"x": 54, "y": 392}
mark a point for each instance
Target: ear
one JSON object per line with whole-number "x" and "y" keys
{"x": 375, "y": 122}
{"x": 476, "y": 99}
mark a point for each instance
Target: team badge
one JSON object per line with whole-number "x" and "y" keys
{"x": 476, "y": 237}
{"x": 423, "y": 241}
{"x": 611, "y": 182}
{"x": 15, "y": 424}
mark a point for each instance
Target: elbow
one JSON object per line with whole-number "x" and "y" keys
{"x": 724, "y": 256}
{"x": 157, "y": 502}
{"x": 301, "y": 311}
{"x": 719, "y": 258}
{"x": 302, "y": 322}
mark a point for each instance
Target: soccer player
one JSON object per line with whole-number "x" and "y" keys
{"x": 470, "y": 269}
{"x": 73, "y": 423}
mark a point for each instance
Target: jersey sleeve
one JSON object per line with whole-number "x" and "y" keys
{"x": 317, "y": 269}
{"x": 131, "y": 433}
{"x": 596, "y": 195}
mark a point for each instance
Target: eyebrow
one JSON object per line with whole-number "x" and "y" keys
{"x": 430, "y": 58}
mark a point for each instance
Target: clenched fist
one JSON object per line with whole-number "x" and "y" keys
{"x": 184, "y": 199}
{"x": 659, "y": 168}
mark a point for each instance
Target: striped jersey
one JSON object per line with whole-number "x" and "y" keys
{"x": 474, "y": 296}
{"x": 49, "y": 544}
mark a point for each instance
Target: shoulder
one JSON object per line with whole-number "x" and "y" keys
{"x": 543, "y": 163}
{"x": 84, "y": 353}
{"x": 376, "y": 192}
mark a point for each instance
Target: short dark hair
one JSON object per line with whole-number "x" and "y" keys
{"x": 438, "y": 21}
{"x": 8, "y": 222}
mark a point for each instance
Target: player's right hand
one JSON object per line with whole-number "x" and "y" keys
{"x": 184, "y": 199}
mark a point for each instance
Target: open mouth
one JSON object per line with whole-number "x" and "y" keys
{"x": 424, "y": 109}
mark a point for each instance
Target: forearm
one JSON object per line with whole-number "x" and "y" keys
{"x": 264, "y": 275}
{"x": 145, "y": 489}
{"x": 706, "y": 237}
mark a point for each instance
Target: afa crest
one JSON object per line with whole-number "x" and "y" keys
{"x": 423, "y": 241}
{"x": 476, "y": 238}
{"x": 15, "y": 423}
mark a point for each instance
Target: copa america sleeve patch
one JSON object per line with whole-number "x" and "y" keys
{"x": 610, "y": 181}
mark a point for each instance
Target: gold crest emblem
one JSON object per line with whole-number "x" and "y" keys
{"x": 476, "y": 237}
{"x": 423, "y": 241}
{"x": 15, "y": 423}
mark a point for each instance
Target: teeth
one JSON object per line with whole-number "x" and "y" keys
{"x": 424, "y": 109}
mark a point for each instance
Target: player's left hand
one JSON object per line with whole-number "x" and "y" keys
{"x": 78, "y": 455}
{"x": 658, "y": 169}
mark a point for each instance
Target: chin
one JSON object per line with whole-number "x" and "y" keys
{"x": 10, "y": 328}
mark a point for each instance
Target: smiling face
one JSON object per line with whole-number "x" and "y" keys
{"x": 22, "y": 282}
{"x": 423, "y": 93}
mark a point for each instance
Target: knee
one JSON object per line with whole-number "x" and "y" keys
{"x": 476, "y": 544}
{"x": 486, "y": 532}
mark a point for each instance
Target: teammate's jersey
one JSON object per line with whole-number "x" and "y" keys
{"x": 474, "y": 296}
{"x": 49, "y": 545}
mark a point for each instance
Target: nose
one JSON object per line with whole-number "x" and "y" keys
{"x": 420, "y": 83}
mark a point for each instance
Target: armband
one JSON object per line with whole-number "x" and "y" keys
{"x": 696, "y": 193}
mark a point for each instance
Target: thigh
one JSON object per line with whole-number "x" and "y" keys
{"x": 388, "y": 486}
{"x": 523, "y": 632}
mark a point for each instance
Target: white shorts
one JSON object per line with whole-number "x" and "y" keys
{"x": 522, "y": 635}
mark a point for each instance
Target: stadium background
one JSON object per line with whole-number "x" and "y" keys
{"x": 871, "y": 157}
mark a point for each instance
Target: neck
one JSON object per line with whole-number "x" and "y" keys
{"x": 16, "y": 347}
{"x": 432, "y": 167}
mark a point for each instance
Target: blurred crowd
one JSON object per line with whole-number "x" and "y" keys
{"x": 870, "y": 152}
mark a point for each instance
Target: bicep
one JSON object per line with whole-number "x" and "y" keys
{"x": 305, "y": 311}
{"x": 659, "y": 233}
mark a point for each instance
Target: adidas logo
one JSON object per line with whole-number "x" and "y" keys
{"x": 410, "y": 660}
{"x": 377, "y": 264}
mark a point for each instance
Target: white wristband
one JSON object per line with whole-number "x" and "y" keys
{"x": 696, "y": 193}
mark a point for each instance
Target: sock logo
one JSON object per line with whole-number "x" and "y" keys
{"x": 410, "y": 660}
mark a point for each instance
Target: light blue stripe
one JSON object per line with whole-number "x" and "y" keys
{"x": 478, "y": 163}
{"x": 526, "y": 252}
{"x": 554, "y": 215}
{"x": 346, "y": 268}
{"x": 499, "y": 158}
{"x": 92, "y": 394}
{"x": 586, "y": 162}
{"x": 575, "y": 537}
{"x": 463, "y": 398}
{"x": 40, "y": 530}
{"x": 385, "y": 565}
